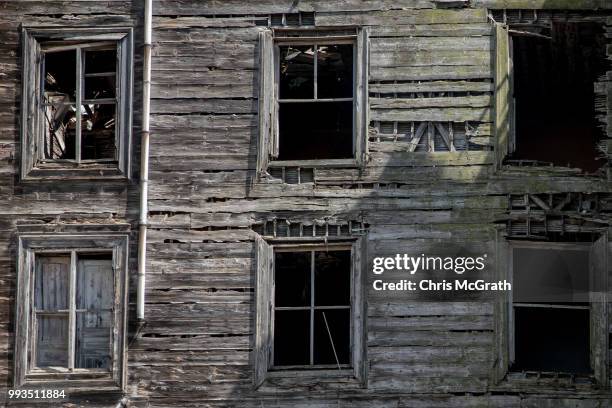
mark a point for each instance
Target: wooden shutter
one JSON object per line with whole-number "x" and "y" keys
{"x": 502, "y": 92}
{"x": 266, "y": 145}
{"x": 263, "y": 309}
{"x": 362, "y": 106}
{"x": 598, "y": 259}
{"x": 29, "y": 103}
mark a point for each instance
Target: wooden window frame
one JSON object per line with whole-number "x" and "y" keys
{"x": 264, "y": 341}
{"x": 269, "y": 41}
{"x": 598, "y": 279}
{"x": 71, "y": 379}
{"x": 33, "y": 165}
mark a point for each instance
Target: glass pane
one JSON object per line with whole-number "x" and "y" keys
{"x": 60, "y": 76}
{"x": 95, "y": 293}
{"x": 292, "y": 278}
{"x": 335, "y": 71}
{"x": 60, "y": 132}
{"x": 339, "y": 325}
{"x": 98, "y": 61}
{"x": 550, "y": 275}
{"x": 52, "y": 341}
{"x": 552, "y": 340}
{"x": 332, "y": 278}
{"x": 98, "y": 131}
{"x": 291, "y": 337}
{"x": 100, "y": 87}
{"x": 296, "y": 72}
{"x": 309, "y": 131}
{"x": 51, "y": 283}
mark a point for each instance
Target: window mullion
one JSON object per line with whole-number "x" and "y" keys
{"x": 72, "y": 311}
{"x": 312, "y": 309}
{"x": 79, "y": 84}
{"x": 315, "y": 74}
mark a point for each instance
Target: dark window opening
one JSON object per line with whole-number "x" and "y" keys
{"x": 554, "y": 76}
{"x": 315, "y": 99}
{"x": 312, "y": 316}
{"x": 551, "y": 310}
{"x": 80, "y": 103}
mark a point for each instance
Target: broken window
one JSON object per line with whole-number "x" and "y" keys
{"x": 551, "y": 309}
{"x": 72, "y": 300}
{"x": 309, "y": 309}
{"x": 312, "y": 98}
{"x": 312, "y": 311}
{"x": 554, "y": 321}
{"x": 77, "y": 120}
{"x": 550, "y": 106}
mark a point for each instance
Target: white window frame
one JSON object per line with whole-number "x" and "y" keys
{"x": 270, "y": 40}
{"x": 34, "y": 166}
{"x": 73, "y": 379}
{"x": 264, "y": 368}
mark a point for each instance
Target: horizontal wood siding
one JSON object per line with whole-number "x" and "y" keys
{"x": 431, "y": 64}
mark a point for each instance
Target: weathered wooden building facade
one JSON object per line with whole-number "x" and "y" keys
{"x": 304, "y": 138}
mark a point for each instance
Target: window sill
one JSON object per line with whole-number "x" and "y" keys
{"x": 62, "y": 171}
{"x": 315, "y": 163}
{"x": 323, "y": 378}
{"x": 90, "y": 383}
{"x": 538, "y": 382}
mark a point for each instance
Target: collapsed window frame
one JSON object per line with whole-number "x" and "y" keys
{"x": 269, "y": 66}
{"x": 598, "y": 298}
{"x": 26, "y": 373}
{"x": 35, "y": 43}
{"x": 264, "y": 368}
{"x": 505, "y": 115}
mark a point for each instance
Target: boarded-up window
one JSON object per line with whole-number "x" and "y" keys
{"x": 72, "y": 314}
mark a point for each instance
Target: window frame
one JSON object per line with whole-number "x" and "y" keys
{"x": 269, "y": 42}
{"x": 504, "y": 305}
{"x": 34, "y": 167}
{"x": 264, "y": 368}
{"x": 75, "y": 380}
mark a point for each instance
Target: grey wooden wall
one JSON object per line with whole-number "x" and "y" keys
{"x": 195, "y": 350}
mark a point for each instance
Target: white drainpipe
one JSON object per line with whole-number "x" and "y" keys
{"x": 144, "y": 160}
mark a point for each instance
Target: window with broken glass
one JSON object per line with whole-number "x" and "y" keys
{"x": 313, "y": 98}
{"x": 71, "y": 294}
{"x": 312, "y": 308}
{"x": 76, "y": 110}
{"x": 309, "y": 303}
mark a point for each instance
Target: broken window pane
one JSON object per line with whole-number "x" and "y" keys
{"x": 100, "y": 61}
{"x": 51, "y": 340}
{"x": 550, "y": 275}
{"x": 315, "y": 130}
{"x": 332, "y": 278}
{"x": 296, "y": 72}
{"x": 98, "y": 131}
{"x": 339, "y": 325}
{"x": 100, "y": 87}
{"x": 94, "y": 302}
{"x": 335, "y": 71}
{"x": 554, "y": 94}
{"x": 60, "y": 76}
{"x": 292, "y": 278}
{"x": 552, "y": 340}
{"x": 60, "y": 132}
{"x": 291, "y": 337}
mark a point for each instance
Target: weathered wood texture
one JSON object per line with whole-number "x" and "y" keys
{"x": 431, "y": 68}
